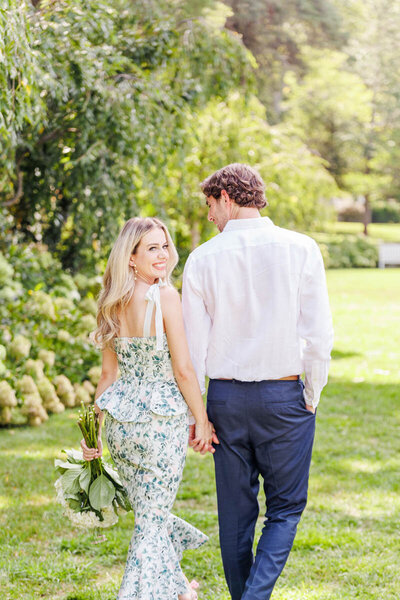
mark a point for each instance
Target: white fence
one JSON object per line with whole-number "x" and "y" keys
{"x": 389, "y": 254}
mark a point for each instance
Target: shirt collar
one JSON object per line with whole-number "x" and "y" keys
{"x": 252, "y": 223}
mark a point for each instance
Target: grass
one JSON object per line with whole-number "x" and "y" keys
{"x": 347, "y": 543}
{"x": 385, "y": 232}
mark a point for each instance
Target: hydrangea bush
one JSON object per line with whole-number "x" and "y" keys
{"x": 47, "y": 361}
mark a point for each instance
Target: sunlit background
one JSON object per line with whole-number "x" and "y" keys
{"x": 115, "y": 108}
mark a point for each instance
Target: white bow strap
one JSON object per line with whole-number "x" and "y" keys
{"x": 153, "y": 299}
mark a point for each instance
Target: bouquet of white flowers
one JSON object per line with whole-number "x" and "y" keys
{"x": 91, "y": 492}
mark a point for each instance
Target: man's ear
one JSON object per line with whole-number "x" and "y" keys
{"x": 225, "y": 196}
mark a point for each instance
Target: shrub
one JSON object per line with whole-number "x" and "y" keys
{"x": 347, "y": 251}
{"x": 352, "y": 214}
{"x": 44, "y": 335}
{"x": 386, "y": 212}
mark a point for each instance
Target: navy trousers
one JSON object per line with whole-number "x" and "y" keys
{"x": 264, "y": 429}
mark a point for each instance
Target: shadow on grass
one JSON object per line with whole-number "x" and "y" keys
{"x": 338, "y": 354}
{"x": 369, "y": 398}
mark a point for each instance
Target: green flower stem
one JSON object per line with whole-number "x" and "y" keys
{"x": 89, "y": 425}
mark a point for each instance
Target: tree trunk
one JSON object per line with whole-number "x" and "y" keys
{"x": 367, "y": 214}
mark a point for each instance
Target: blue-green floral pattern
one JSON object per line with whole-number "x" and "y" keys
{"x": 147, "y": 384}
{"x": 147, "y": 434}
{"x": 150, "y": 458}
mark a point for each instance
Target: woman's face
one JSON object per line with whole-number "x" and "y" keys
{"x": 151, "y": 256}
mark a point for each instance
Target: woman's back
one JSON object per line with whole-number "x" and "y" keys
{"x": 132, "y": 316}
{"x": 147, "y": 383}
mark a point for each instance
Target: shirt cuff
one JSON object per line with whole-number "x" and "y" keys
{"x": 311, "y": 398}
{"x": 316, "y": 377}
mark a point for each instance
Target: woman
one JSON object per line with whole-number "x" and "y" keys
{"x": 141, "y": 332}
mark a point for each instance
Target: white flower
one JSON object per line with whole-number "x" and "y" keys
{"x": 94, "y": 375}
{"x": 60, "y": 494}
{"x": 86, "y": 519}
{"x": 47, "y": 356}
{"x": 63, "y": 335}
{"x": 41, "y": 303}
{"x": 19, "y": 347}
{"x": 83, "y": 520}
{"x": 88, "y": 322}
{"x": 110, "y": 518}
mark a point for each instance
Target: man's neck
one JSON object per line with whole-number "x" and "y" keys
{"x": 244, "y": 212}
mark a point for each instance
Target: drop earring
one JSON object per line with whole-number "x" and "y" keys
{"x": 135, "y": 272}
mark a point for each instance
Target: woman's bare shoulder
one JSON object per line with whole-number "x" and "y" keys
{"x": 169, "y": 296}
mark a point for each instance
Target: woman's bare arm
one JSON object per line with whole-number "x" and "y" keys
{"x": 109, "y": 372}
{"x": 182, "y": 365}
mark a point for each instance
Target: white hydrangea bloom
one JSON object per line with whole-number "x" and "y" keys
{"x": 60, "y": 494}
{"x": 87, "y": 519}
{"x": 83, "y": 520}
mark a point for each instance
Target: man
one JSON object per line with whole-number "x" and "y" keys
{"x": 257, "y": 315}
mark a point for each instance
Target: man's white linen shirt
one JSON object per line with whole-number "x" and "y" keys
{"x": 255, "y": 306}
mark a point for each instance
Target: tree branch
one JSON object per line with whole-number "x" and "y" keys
{"x": 20, "y": 190}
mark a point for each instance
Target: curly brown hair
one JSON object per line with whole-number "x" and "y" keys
{"x": 242, "y": 184}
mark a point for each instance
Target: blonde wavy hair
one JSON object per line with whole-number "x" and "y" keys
{"x": 118, "y": 279}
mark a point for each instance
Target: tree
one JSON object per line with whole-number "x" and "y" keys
{"x": 275, "y": 31}
{"x": 374, "y": 50}
{"x": 116, "y": 81}
{"x": 236, "y": 130}
{"x": 19, "y": 95}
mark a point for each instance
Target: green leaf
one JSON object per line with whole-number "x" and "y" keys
{"x": 74, "y": 456}
{"x": 112, "y": 473}
{"x": 85, "y": 477}
{"x": 62, "y": 466}
{"x": 123, "y": 500}
{"x": 101, "y": 492}
{"x": 70, "y": 481}
{"x": 72, "y": 497}
{"x": 74, "y": 504}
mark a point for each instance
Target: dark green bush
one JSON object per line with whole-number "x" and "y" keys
{"x": 386, "y": 212}
{"x": 347, "y": 251}
{"x": 351, "y": 214}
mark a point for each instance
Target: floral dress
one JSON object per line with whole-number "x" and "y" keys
{"x": 147, "y": 434}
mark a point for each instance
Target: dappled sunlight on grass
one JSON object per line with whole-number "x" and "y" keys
{"x": 347, "y": 542}
{"x": 5, "y": 502}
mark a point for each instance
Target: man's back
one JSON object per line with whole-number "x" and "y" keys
{"x": 264, "y": 298}
{"x": 257, "y": 315}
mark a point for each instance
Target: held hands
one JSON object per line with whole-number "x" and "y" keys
{"x": 92, "y": 453}
{"x": 202, "y": 436}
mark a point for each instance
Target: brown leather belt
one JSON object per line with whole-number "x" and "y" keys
{"x": 288, "y": 378}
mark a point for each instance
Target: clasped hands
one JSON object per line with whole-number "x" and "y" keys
{"x": 202, "y": 437}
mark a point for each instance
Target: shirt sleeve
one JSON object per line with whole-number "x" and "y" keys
{"x": 315, "y": 325}
{"x": 197, "y": 321}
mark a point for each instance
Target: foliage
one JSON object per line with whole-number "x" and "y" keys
{"x": 386, "y": 212}
{"x": 360, "y": 135}
{"x": 275, "y": 33}
{"x": 20, "y": 102}
{"x": 329, "y": 109}
{"x": 235, "y": 130}
{"x": 45, "y": 319}
{"x": 115, "y": 92}
{"x": 347, "y": 251}
{"x": 121, "y": 108}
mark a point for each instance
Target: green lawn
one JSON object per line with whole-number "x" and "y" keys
{"x": 386, "y": 232}
{"x": 348, "y": 540}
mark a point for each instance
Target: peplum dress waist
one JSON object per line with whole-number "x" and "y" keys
{"x": 146, "y": 385}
